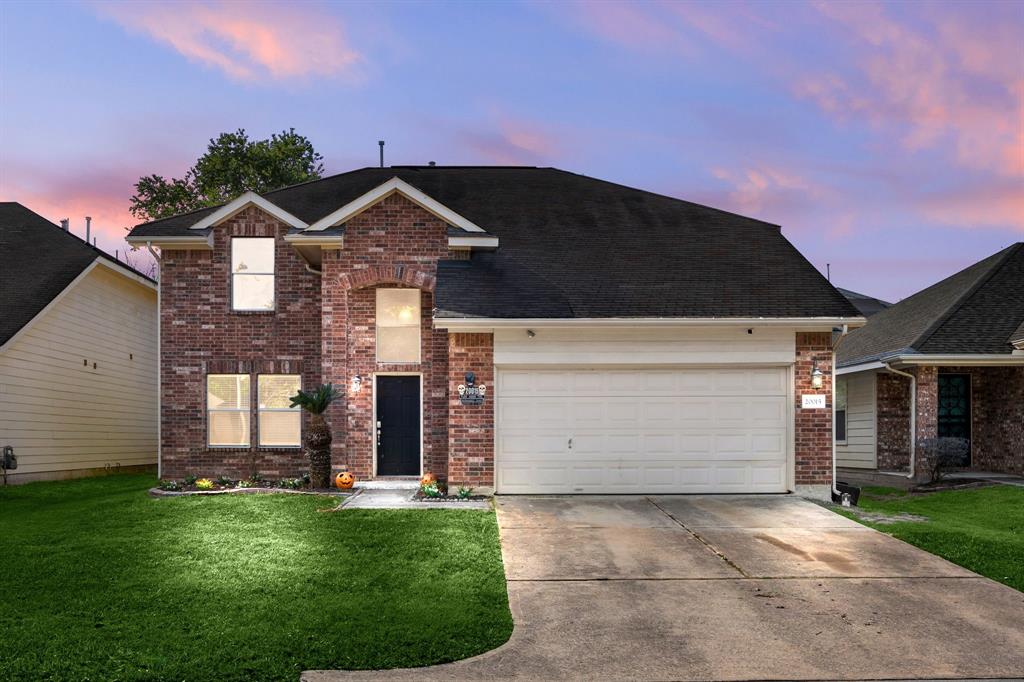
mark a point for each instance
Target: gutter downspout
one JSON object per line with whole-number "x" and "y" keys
{"x": 913, "y": 416}
{"x": 313, "y": 270}
{"x": 159, "y": 365}
{"x": 845, "y": 331}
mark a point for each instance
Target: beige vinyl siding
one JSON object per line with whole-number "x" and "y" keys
{"x": 59, "y": 412}
{"x": 861, "y": 422}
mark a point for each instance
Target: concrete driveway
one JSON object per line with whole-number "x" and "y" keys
{"x": 730, "y": 588}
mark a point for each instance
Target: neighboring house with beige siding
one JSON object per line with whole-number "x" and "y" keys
{"x": 856, "y": 421}
{"x": 78, "y": 354}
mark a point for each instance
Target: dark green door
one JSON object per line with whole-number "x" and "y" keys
{"x": 955, "y": 409}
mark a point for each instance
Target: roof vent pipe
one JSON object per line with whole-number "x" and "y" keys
{"x": 65, "y": 224}
{"x": 431, "y": 163}
{"x": 381, "y": 143}
{"x": 88, "y": 227}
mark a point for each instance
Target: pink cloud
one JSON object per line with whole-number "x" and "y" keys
{"x": 994, "y": 204}
{"x": 99, "y": 193}
{"x": 511, "y": 141}
{"x": 770, "y": 191}
{"x": 636, "y": 26}
{"x": 938, "y": 82}
{"x": 248, "y": 41}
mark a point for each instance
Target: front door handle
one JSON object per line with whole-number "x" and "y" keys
{"x": 570, "y": 443}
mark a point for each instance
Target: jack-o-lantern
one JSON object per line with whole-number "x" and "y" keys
{"x": 344, "y": 480}
{"x": 427, "y": 479}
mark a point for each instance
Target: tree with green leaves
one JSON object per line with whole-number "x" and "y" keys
{"x": 232, "y": 164}
{"x": 317, "y": 439}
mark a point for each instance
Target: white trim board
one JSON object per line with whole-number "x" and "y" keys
{"x": 392, "y": 186}
{"x": 456, "y": 324}
{"x": 250, "y": 198}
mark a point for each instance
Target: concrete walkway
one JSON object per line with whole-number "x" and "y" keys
{"x": 404, "y": 498}
{"x": 730, "y": 588}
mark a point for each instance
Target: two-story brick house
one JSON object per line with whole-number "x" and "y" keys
{"x": 524, "y": 329}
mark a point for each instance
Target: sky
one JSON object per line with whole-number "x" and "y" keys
{"x": 887, "y": 139}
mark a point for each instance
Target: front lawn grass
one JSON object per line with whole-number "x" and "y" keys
{"x": 102, "y": 582}
{"x": 981, "y": 529}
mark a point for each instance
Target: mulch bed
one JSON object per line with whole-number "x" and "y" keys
{"x": 420, "y": 497}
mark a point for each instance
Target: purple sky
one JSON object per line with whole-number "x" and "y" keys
{"x": 886, "y": 139}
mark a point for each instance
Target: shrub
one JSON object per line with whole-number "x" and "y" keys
{"x": 943, "y": 454}
{"x": 430, "y": 489}
{"x": 465, "y": 492}
{"x": 190, "y": 479}
{"x": 224, "y": 480}
{"x": 168, "y": 485}
{"x": 245, "y": 484}
{"x": 204, "y": 484}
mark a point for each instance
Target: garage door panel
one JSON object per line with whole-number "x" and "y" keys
{"x": 636, "y": 431}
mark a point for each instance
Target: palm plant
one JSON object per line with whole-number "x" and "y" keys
{"x": 317, "y": 441}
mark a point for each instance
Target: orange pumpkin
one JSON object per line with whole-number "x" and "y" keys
{"x": 427, "y": 479}
{"x": 344, "y": 480}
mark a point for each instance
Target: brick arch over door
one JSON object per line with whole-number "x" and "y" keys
{"x": 418, "y": 278}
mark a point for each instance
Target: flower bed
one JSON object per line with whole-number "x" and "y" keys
{"x": 256, "y": 484}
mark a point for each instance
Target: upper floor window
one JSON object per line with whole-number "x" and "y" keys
{"x": 398, "y": 325}
{"x": 252, "y": 273}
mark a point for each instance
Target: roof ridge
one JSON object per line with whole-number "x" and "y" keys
{"x": 962, "y": 298}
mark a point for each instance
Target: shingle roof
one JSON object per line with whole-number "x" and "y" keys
{"x": 574, "y": 246}
{"x": 972, "y": 312}
{"x": 867, "y": 305}
{"x": 37, "y": 261}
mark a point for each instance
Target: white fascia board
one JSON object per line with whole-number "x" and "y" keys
{"x": 382, "y": 191}
{"x": 248, "y": 199}
{"x": 474, "y": 242}
{"x": 863, "y": 367}
{"x": 335, "y": 241}
{"x": 198, "y": 241}
{"x": 126, "y": 272}
{"x": 976, "y": 360}
{"x": 796, "y": 323}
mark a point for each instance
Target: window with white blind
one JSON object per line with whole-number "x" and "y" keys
{"x": 398, "y": 325}
{"x": 252, "y": 273}
{"x": 841, "y": 391}
{"x": 279, "y": 424}
{"x": 227, "y": 408}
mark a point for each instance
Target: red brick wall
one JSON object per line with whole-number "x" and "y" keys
{"x": 393, "y": 243}
{"x": 997, "y": 417}
{"x": 471, "y": 427}
{"x": 926, "y": 421}
{"x": 893, "y": 405}
{"x": 813, "y": 427}
{"x": 200, "y": 334}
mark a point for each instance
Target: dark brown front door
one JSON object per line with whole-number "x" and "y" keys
{"x": 954, "y": 414}
{"x": 398, "y": 426}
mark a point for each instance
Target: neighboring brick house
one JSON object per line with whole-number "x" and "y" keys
{"x": 524, "y": 329}
{"x": 952, "y": 358}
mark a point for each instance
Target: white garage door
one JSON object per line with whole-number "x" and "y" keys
{"x": 642, "y": 431}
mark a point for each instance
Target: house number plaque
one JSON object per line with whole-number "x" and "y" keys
{"x": 470, "y": 393}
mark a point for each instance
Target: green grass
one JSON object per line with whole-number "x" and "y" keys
{"x": 980, "y": 528}
{"x": 102, "y": 582}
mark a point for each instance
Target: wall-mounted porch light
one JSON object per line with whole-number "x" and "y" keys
{"x": 357, "y": 383}
{"x": 817, "y": 376}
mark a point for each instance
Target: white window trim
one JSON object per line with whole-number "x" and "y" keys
{"x": 273, "y": 273}
{"x": 229, "y": 446}
{"x": 418, "y": 326}
{"x": 289, "y": 410}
